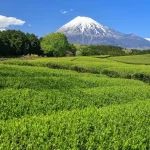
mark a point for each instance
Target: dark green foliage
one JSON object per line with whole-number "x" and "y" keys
{"x": 139, "y": 52}
{"x": 34, "y": 44}
{"x": 85, "y": 50}
{"x": 17, "y": 43}
{"x": 4, "y": 44}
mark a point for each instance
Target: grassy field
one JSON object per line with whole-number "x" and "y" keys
{"x": 74, "y": 103}
{"x": 135, "y": 59}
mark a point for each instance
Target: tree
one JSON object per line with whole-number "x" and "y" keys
{"x": 17, "y": 43}
{"x": 34, "y": 44}
{"x": 55, "y": 44}
{"x": 4, "y": 44}
{"x": 72, "y": 49}
{"x": 14, "y": 43}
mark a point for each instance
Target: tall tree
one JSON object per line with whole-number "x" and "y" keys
{"x": 4, "y": 44}
{"x": 34, "y": 44}
{"x": 18, "y": 42}
{"x": 14, "y": 42}
{"x": 55, "y": 44}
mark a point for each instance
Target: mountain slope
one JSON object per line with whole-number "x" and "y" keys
{"x": 147, "y": 39}
{"x": 84, "y": 30}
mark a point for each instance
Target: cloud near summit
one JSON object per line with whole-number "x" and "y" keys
{"x": 5, "y": 22}
{"x": 66, "y": 11}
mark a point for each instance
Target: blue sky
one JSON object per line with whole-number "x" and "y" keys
{"x": 44, "y": 16}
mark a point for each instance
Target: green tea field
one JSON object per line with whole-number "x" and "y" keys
{"x": 75, "y": 103}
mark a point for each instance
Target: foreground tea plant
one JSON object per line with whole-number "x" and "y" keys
{"x": 71, "y": 103}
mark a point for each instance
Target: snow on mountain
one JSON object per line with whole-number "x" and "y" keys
{"x": 87, "y": 26}
{"x": 147, "y": 39}
{"x": 84, "y": 30}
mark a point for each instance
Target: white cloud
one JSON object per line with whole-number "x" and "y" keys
{"x": 64, "y": 11}
{"x": 29, "y": 25}
{"x": 5, "y": 22}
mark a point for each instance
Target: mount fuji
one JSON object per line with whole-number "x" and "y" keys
{"x": 147, "y": 39}
{"x": 86, "y": 31}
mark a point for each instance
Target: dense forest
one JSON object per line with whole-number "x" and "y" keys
{"x": 15, "y": 43}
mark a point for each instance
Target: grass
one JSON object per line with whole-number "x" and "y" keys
{"x": 92, "y": 65}
{"x": 135, "y": 59}
{"x": 116, "y": 127}
{"x": 74, "y": 103}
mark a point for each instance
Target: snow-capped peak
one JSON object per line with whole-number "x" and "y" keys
{"x": 86, "y": 31}
{"x": 84, "y": 25}
{"x": 147, "y": 39}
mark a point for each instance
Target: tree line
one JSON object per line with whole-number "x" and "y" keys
{"x": 17, "y": 43}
